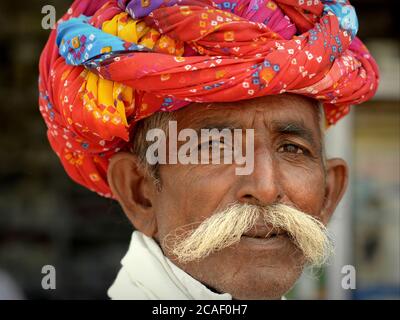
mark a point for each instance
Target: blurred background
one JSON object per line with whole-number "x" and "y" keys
{"x": 46, "y": 219}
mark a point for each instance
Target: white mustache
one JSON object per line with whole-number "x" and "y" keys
{"x": 226, "y": 228}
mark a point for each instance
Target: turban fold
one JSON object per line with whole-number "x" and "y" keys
{"x": 111, "y": 63}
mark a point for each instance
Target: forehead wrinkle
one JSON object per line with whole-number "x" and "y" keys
{"x": 204, "y": 118}
{"x": 240, "y": 114}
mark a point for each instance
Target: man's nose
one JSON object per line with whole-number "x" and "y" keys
{"x": 262, "y": 186}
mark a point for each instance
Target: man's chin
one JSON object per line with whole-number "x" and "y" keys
{"x": 267, "y": 287}
{"x": 262, "y": 282}
{"x": 249, "y": 274}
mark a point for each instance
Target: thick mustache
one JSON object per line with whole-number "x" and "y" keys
{"x": 226, "y": 228}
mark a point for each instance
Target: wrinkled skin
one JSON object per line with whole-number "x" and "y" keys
{"x": 288, "y": 169}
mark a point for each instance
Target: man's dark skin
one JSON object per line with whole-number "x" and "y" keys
{"x": 288, "y": 169}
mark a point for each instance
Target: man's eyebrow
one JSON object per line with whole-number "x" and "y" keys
{"x": 219, "y": 126}
{"x": 295, "y": 128}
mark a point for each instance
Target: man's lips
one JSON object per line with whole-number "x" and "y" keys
{"x": 263, "y": 237}
{"x": 263, "y": 231}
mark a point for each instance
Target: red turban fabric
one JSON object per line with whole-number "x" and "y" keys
{"x": 111, "y": 63}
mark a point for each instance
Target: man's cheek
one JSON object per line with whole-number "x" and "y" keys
{"x": 206, "y": 181}
{"x": 193, "y": 194}
{"x": 305, "y": 188}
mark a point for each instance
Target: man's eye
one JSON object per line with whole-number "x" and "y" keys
{"x": 291, "y": 148}
{"x": 211, "y": 144}
{"x": 215, "y": 143}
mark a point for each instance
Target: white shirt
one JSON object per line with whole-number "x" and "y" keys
{"x": 147, "y": 274}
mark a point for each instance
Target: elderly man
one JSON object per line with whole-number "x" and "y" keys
{"x": 277, "y": 72}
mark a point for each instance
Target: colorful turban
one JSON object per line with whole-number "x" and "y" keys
{"x": 111, "y": 63}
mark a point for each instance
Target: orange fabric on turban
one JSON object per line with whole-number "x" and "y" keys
{"x": 111, "y": 63}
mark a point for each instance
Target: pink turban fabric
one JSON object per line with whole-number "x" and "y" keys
{"x": 111, "y": 63}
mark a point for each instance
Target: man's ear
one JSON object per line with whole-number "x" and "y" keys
{"x": 134, "y": 188}
{"x": 336, "y": 184}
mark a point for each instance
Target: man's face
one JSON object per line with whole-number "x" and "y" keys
{"x": 288, "y": 169}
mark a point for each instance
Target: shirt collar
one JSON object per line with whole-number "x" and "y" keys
{"x": 147, "y": 273}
